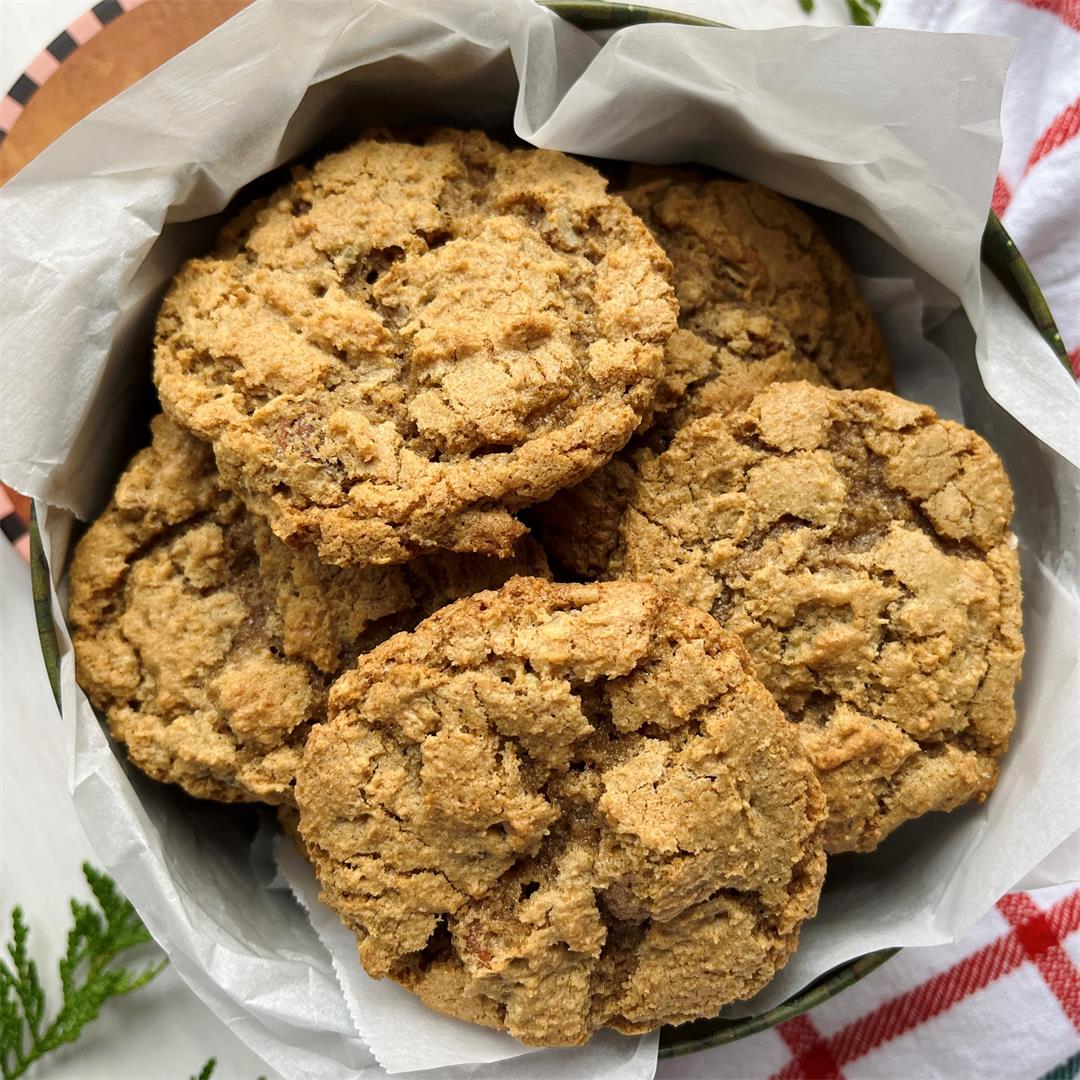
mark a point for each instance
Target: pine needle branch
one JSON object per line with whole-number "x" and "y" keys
{"x": 89, "y": 975}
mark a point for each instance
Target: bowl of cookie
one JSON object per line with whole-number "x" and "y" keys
{"x": 559, "y": 552}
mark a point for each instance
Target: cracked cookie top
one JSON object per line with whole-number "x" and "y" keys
{"x": 209, "y": 644}
{"x": 860, "y": 548}
{"x": 738, "y": 245}
{"x": 763, "y": 298}
{"x": 414, "y": 338}
{"x": 555, "y": 808}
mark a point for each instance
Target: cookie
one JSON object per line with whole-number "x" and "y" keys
{"x": 737, "y": 243}
{"x": 412, "y": 339}
{"x": 209, "y": 645}
{"x": 860, "y": 548}
{"x": 579, "y": 526}
{"x": 763, "y": 298}
{"x": 556, "y": 808}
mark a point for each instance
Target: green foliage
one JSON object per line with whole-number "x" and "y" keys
{"x": 207, "y": 1071}
{"x": 89, "y": 976}
{"x": 863, "y": 12}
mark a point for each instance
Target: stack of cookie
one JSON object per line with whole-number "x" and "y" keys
{"x": 780, "y": 617}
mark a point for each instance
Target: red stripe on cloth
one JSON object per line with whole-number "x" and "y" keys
{"x": 813, "y": 1059}
{"x": 791, "y": 1071}
{"x": 1064, "y": 126}
{"x": 1064, "y": 916}
{"x": 1074, "y": 362}
{"x": 999, "y": 201}
{"x": 1042, "y": 943}
{"x": 1068, "y": 11}
{"x": 939, "y": 993}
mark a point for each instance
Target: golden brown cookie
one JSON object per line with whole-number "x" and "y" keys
{"x": 209, "y": 644}
{"x": 737, "y": 243}
{"x": 579, "y": 526}
{"x": 556, "y": 808}
{"x": 763, "y": 298}
{"x": 412, "y": 339}
{"x": 860, "y": 548}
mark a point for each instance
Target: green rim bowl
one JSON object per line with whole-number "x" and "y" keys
{"x": 1000, "y": 255}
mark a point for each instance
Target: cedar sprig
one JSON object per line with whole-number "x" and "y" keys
{"x": 89, "y": 975}
{"x": 863, "y": 12}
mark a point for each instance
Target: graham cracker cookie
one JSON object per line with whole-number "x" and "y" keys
{"x": 209, "y": 644}
{"x": 763, "y": 298}
{"x": 413, "y": 339}
{"x": 556, "y": 808}
{"x": 860, "y": 548}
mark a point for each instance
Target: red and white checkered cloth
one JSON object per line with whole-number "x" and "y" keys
{"x": 1037, "y": 194}
{"x": 1004, "y": 1002}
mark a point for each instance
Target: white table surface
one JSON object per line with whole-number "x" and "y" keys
{"x": 164, "y": 1031}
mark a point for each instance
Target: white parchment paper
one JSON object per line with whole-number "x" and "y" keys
{"x": 895, "y": 130}
{"x": 382, "y": 1010}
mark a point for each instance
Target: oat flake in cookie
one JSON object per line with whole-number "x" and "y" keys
{"x": 556, "y": 808}
{"x": 209, "y": 644}
{"x": 412, "y": 339}
{"x": 860, "y": 547}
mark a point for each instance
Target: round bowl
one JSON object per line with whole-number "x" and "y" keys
{"x": 999, "y": 254}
